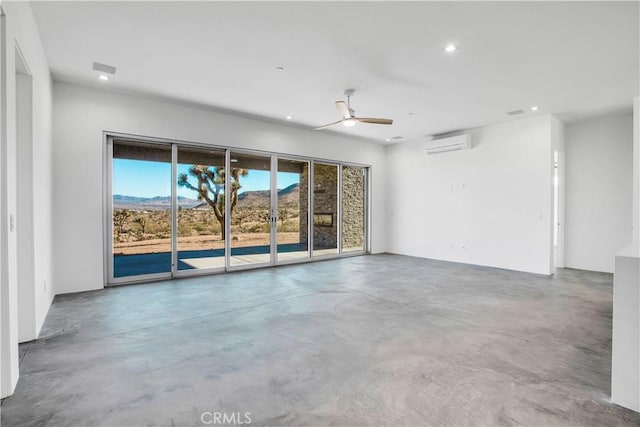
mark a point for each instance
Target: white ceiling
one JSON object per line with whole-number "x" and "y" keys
{"x": 573, "y": 59}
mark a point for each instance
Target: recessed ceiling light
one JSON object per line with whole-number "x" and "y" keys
{"x": 103, "y": 77}
{"x": 280, "y": 68}
{"x": 411, "y": 114}
{"x": 289, "y": 117}
{"x": 534, "y": 108}
{"x": 388, "y": 139}
{"x": 450, "y": 48}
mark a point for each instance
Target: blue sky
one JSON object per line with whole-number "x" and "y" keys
{"x": 149, "y": 179}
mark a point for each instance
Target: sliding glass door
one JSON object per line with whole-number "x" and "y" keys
{"x": 353, "y": 208}
{"x": 250, "y": 209}
{"x": 325, "y": 209}
{"x": 177, "y": 209}
{"x": 293, "y": 210}
{"x": 200, "y": 199}
{"x": 141, "y": 209}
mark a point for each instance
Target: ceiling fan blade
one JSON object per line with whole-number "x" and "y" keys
{"x": 343, "y": 108}
{"x": 375, "y": 121}
{"x": 330, "y": 124}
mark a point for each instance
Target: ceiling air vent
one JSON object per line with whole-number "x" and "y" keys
{"x": 104, "y": 68}
{"x": 515, "y": 112}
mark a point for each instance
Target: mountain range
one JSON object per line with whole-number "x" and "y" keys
{"x": 121, "y": 201}
{"x": 286, "y": 196}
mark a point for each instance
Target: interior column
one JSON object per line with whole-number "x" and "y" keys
{"x": 625, "y": 369}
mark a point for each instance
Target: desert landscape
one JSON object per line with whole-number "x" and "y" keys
{"x": 143, "y": 225}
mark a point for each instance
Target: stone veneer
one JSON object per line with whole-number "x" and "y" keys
{"x": 352, "y": 207}
{"x": 325, "y": 201}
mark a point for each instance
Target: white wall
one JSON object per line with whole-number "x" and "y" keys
{"x": 491, "y": 205}
{"x": 635, "y": 223}
{"x": 20, "y": 29}
{"x": 599, "y": 180}
{"x": 81, "y": 114}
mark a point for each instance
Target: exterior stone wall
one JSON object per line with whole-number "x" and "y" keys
{"x": 352, "y": 207}
{"x": 325, "y": 201}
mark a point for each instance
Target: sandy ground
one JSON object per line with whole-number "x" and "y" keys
{"x": 196, "y": 243}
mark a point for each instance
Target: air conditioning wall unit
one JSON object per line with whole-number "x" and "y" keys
{"x": 452, "y": 143}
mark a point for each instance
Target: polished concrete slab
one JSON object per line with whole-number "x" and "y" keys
{"x": 236, "y": 260}
{"x": 160, "y": 262}
{"x": 371, "y": 340}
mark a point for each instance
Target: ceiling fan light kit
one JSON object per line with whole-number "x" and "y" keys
{"x": 349, "y": 122}
{"x": 349, "y": 118}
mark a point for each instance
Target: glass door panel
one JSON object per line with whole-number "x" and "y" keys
{"x": 353, "y": 208}
{"x": 250, "y": 207}
{"x": 141, "y": 209}
{"x": 325, "y": 209}
{"x": 201, "y": 211}
{"x": 293, "y": 210}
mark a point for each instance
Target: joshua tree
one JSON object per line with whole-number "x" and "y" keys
{"x": 142, "y": 222}
{"x": 120, "y": 218}
{"x": 265, "y": 213}
{"x": 283, "y": 213}
{"x": 240, "y": 216}
{"x": 210, "y": 188}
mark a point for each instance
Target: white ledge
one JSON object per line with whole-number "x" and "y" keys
{"x": 631, "y": 251}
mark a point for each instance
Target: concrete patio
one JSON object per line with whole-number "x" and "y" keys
{"x": 160, "y": 262}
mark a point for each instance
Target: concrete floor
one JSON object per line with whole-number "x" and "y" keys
{"x": 160, "y": 262}
{"x": 368, "y": 340}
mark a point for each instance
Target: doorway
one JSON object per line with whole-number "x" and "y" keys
{"x": 558, "y": 209}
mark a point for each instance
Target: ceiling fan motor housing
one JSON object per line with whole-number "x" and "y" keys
{"x": 349, "y": 118}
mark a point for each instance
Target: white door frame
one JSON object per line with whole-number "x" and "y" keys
{"x": 25, "y": 204}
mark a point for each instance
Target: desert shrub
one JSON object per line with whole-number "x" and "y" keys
{"x": 259, "y": 228}
{"x": 290, "y": 226}
{"x": 185, "y": 230}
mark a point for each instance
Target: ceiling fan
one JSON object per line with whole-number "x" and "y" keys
{"x": 349, "y": 118}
